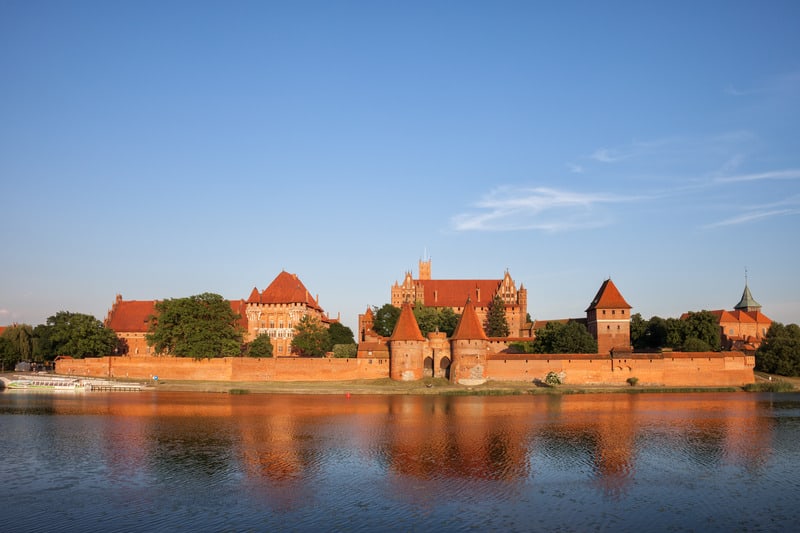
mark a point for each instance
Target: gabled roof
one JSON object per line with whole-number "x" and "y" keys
{"x": 454, "y": 292}
{"x": 406, "y": 328}
{"x": 759, "y": 317}
{"x": 747, "y": 302}
{"x": 469, "y": 326}
{"x": 240, "y": 308}
{"x": 130, "y": 316}
{"x": 287, "y": 288}
{"x": 608, "y": 297}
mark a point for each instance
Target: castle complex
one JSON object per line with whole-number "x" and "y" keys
{"x": 467, "y": 357}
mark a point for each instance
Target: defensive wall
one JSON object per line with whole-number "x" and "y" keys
{"x": 226, "y": 368}
{"x": 672, "y": 369}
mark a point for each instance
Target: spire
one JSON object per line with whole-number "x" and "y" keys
{"x": 747, "y": 303}
{"x": 469, "y": 326}
{"x": 406, "y": 328}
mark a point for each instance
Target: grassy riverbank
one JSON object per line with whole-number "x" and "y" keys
{"x": 439, "y": 386}
{"x": 426, "y": 386}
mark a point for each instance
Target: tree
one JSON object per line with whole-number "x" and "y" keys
{"x": 77, "y": 335}
{"x": 385, "y": 319}
{"x": 427, "y": 318}
{"x": 704, "y": 327}
{"x": 496, "y": 323}
{"x": 780, "y": 351}
{"x": 311, "y": 338}
{"x": 261, "y": 346}
{"x": 448, "y": 320}
{"x": 638, "y": 328}
{"x": 43, "y": 347}
{"x": 8, "y": 355}
{"x": 21, "y": 338}
{"x": 200, "y": 326}
{"x": 572, "y": 337}
{"x": 340, "y": 334}
{"x": 345, "y": 350}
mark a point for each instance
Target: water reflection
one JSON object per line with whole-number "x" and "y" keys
{"x": 387, "y": 457}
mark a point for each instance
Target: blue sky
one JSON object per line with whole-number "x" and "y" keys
{"x": 164, "y": 149}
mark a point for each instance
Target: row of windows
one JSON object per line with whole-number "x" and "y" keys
{"x": 614, "y": 311}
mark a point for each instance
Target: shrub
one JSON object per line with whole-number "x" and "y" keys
{"x": 632, "y": 381}
{"x": 345, "y": 350}
{"x": 552, "y": 379}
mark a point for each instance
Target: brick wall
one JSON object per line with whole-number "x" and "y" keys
{"x": 227, "y": 369}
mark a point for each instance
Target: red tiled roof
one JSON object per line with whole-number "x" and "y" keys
{"x": 2, "y": 329}
{"x": 760, "y": 317}
{"x": 608, "y": 297}
{"x": 130, "y": 316}
{"x": 406, "y": 328}
{"x": 469, "y": 326}
{"x": 288, "y": 289}
{"x": 255, "y": 296}
{"x": 454, "y": 292}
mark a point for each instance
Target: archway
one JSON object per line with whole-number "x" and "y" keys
{"x": 427, "y": 367}
{"x": 444, "y": 366}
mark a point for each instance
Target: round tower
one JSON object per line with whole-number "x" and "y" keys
{"x": 406, "y": 347}
{"x": 468, "y": 346}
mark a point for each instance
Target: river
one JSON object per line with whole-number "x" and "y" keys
{"x": 159, "y": 461}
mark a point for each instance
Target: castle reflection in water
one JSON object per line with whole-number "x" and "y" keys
{"x": 279, "y": 442}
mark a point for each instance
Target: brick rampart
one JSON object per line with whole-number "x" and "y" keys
{"x": 227, "y": 369}
{"x": 700, "y": 369}
{"x": 676, "y": 369}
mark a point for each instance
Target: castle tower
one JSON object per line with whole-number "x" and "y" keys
{"x": 608, "y": 319}
{"x": 468, "y": 347}
{"x": 425, "y": 269}
{"x": 366, "y": 322}
{"x": 406, "y": 347}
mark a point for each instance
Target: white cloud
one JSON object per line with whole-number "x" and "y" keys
{"x": 788, "y": 174}
{"x": 605, "y": 155}
{"x": 575, "y": 169}
{"x": 756, "y": 215}
{"x": 538, "y": 208}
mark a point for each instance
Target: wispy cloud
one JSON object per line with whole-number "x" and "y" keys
{"x": 575, "y": 169}
{"x": 606, "y": 155}
{"x": 537, "y": 208}
{"x": 750, "y": 217}
{"x": 787, "y": 174}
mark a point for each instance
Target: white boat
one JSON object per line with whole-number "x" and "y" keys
{"x": 44, "y": 383}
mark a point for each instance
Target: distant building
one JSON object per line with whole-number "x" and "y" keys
{"x": 275, "y": 311}
{"x": 453, "y": 293}
{"x": 745, "y": 327}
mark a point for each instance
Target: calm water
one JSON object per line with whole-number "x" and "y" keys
{"x": 209, "y": 462}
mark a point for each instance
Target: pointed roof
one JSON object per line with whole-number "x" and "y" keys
{"x": 469, "y": 326}
{"x": 747, "y": 303}
{"x": 255, "y": 297}
{"x": 406, "y": 328}
{"x": 608, "y": 297}
{"x": 287, "y": 288}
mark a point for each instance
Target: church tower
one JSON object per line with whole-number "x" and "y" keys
{"x": 608, "y": 319}
{"x": 425, "y": 269}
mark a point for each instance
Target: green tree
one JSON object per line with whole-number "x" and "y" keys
{"x": 638, "y": 328}
{"x": 496, "y": 323}
{"x": 8, "y": 355}
{"x": 704, "y": 327}
{"x": 261, "y": 346}
{"x": 675, "y": 334}
{"x": 21, "y": 338}
{"x": 340, "y": 334}
{"x": 43, "y": 347}
{"x": 200, "y": 326}
{"x": 572, "y": 337}
{"x": 448, "y": 320}
{"x": 343, "y": 351}
{"x": 78, "y": 335}
{"x": 385, "y": 319}
{"x": 779, "y": 353}
{"x": 311, "y": 338}
{"x": 427, "y": 318}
